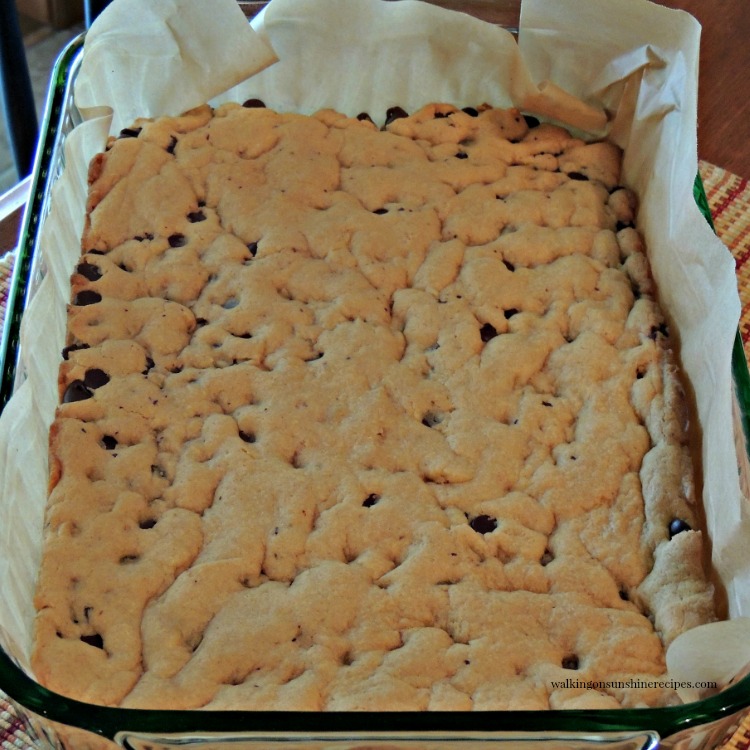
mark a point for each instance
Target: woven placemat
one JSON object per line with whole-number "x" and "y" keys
{"x": 729, "y": 198}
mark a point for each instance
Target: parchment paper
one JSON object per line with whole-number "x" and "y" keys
{"x": 622, "y": 67}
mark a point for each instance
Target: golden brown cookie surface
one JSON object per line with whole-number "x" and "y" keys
{"x": 360, "y": 419}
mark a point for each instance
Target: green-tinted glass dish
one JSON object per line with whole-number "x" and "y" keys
{"x": 698, "y": 725}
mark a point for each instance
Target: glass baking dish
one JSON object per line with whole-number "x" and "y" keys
{"x": 59, "y": 721}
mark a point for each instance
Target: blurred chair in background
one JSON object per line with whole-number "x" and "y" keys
{"x": 17, "y": 95}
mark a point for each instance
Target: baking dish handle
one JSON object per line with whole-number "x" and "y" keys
{"x": 637, "y": 740}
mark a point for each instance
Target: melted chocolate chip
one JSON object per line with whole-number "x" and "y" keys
{"x": 95, "y": 378}
{"x": 624, "y": 595}
{"x": 195, "y": 216}
{"x": 471, "y": 111}
{"x": 130, "y": 132}
{"x": 87, "y": 297}
{"x": 510, "y": 312}
{"x": 509, "y": 265}
{"x": 487, "y": 332}
{"x": 431, "y": 419}
{"x": 440, "y": 115}
{"x": 108, "y": 442}
{"x": 128, "y": 559}
{"x": 462, "y": 155}
{"x": 89, "y": 271}
{"x": 677, "y": 526}
{"x": 660, "y": 329}
{"x": 72, "y": 348}
{"x": 394, "y": 113}
{"x": 76, "y": 391}
{"x": 380, "y": 211}
{"x": 254, "y": 104}
{"x": 370, "y": 500}
{"x": 172, "y": 145}
{"x": 546, "y": 558}
{"x": 483, "y": 524}
{"x": 177, "y": 240}
{"x": 364, "y": 117}
{"x": 149, "y": 365}
{"x": 148, "y": 523}
{"x": 577, "y": 176}
{"x": 253, "y": 248}
{"x": 248, "y": 437}
{"x": 94, "y": 640}
{"x": 531, "y": 121}
{"x": 570, "y": 662}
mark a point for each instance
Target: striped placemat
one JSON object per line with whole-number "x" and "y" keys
{"x": 729, "y": 198}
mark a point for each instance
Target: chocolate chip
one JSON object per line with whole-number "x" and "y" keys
{"x": 253, "y": 248}
{"x": 177, "y": 240}
{"x": 89, "y": 271}
{"x": 195, "y": 216}
{"x": 254, "y": 104}
{"x": 149, "y": 365}
{"x": 510, "y": 312}
{"x": 531, "y": 121}
{"x": 96, "y": 252}
{"x": 158, "y": 471}
{"x": 172, "y": 145}
{"x": 546, "y": 558}
{"x": 546, "y": 403}
{"x": 440, "y": 115}
{"x": 483, "y": 524}
{"x": 570, "y": 662}
{"x": 248, "y": 437}
{"x": 364, "y": 117}
{"x": 76, "y": 391}
{"x": 95, "y": 378}
{"x": 471, "y": 111}
{"x": 380, "y": 211}
{"x": 370, "y": 500}
{"x": 127, "y": 559}
{"x": 200, "y": 322}
{"x": 130, "y": 132}
{"x": 577, "y": 176}
{"x": 109, "y": 442}
{"x": 87, "y": 297}
{"x": 639, "y": 374}
{"x": 94, "y": 640}
{"x": 624, "y": 595}
{"x": 394, "y": 113}
{"x": 660, "y": 329}
{"x": 487, "y": 332}
{"x": 677, "y": 526}
{"x": 462, "y": 155}
{"x": 509, "y": 265}
{"x": 148, "y": 523}
{"x": 72, "y": 348}
{"x": 316, "y": 356}
{"x": 431, "y": 419}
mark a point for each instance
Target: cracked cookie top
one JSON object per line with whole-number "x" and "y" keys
{"x": 365, "y": 419}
